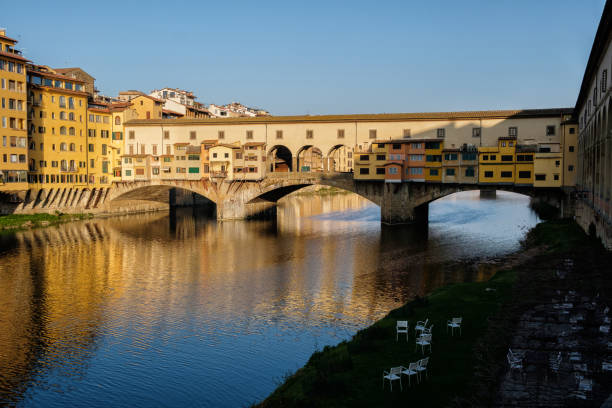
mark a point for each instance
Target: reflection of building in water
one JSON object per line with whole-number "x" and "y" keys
{"x": 145, "y": 275}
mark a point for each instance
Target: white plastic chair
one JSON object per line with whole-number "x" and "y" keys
{"x": 401, "y": 327}
{"x": 427, "y": 330}
{"x": 420, "y": 326}
{"x": 410, "y": 371}
{"x": 422, "y": 366}
{"x": 394, "y": 374}
{"x": 454, "y": 323}
{"x": 423, "y": 341}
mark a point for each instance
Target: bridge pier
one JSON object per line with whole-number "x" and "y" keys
{"x": 397, "y": 206}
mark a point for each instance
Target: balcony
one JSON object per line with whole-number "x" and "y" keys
{"x": 218, "y": 174}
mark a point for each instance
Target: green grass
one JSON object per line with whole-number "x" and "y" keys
{"x": 350, "y": 374}
{"x": 25, "y": 221}
{"x": 559, "y": 235}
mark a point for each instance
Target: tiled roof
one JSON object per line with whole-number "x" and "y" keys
{"x": 14, "y": 56}
{"x": 381, "y": 117}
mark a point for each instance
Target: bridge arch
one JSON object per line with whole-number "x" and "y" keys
{"x": 160, "y": 191}
{"x": 280, "y": 159}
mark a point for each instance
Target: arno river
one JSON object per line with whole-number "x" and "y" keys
{"x": 157, "y": 310}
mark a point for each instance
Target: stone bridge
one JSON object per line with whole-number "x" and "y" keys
{"x": 398, "y": 202}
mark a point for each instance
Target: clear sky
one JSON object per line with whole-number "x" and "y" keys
{"x": 322, "y": 57}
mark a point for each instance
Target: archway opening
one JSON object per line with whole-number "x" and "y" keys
{"x": 310, "y": 159}
{"x": 280, "y": 159}
{"x": 340, "y": 159}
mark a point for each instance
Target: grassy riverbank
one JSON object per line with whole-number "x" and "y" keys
{"x": 350, "y": 374}
{"x": 15, "y": 222}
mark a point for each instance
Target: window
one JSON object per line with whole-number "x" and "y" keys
{"x": 128, "y": 173}
{"x": 117, "y": 120}
{"x": 381, "y": 157}
{"x": 556, "y": 177}
{"x": 372, "y": 133}
{"x": 571, "y": 149}
{"x": 192, "y": 135}
{"x": 309, "y": 134}
{"x": 507, "y": 158}
{"x": 450, "y": 172}
{"x": 249, "y": 134}
{"x": 604, "y": 80}
{"x": 62, "y": 99}
{"x": 340, "y": 133}
{"x": 488, "y": 174}
{"x": 392, "y": 170}
{"x": 468, "y": 156}
{"x": 406, "y": 133}
{"x": 63, "y": 130}
{"x": 131, "y": 134}
{"x": 570, "y": 168}
{"x": 364, "y": 170}
{"x": 557, "y": 163}
{"x": 441, "y": 133}
{"x": 540, "y": 177}
{"x": 550, "y": 130}
{"x": 226, "y": 155}
{"x": 572, "y": 130}
{"x": 279, "y": 134}
{"x": 221, "y": 134}
{"x": 493, "y": 157}
{"x": 380, "y": 170}
{"x": 450, "y": 156}
{"x": 416, "y": 157}
{"x": 524, "y": 174}
{"x": 194, "y": 170}
{"x": 92, "y": 163}
{"x": 433, "y": 172}
{"x": 469, "y": 172}
{"x": 415, "y": 171}
{"x": 513, "y": 131}
{"x": 364, "y": 157}
{"x": 476, "y": 132}
{"x": 90, "y": 147}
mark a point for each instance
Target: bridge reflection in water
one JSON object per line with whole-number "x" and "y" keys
{"x": 150, "y": 309}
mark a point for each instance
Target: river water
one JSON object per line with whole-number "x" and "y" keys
{"x": 178, "y": 310}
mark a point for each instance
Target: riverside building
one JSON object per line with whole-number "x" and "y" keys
{"x": 593, "y": 110}
{"x": 13, "y": 117}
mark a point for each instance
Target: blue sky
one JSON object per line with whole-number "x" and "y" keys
{"x": 322, "y": 57}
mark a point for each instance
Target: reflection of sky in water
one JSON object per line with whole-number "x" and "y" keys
{"x": 151, "y": 310}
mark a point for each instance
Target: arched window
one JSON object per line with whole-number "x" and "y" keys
{"x": 63, "y": 130}
{"x": 72, "y": 147}
{"x": 64, "y": 165}
{"x": 63, "y": 147}
{"x": 117, "y": 120}
{"x": 71, "y": 116}
{"x": 63, "y": 115}
{"x": 71, "y": 131}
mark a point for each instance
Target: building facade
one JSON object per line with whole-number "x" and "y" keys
{"x": 593, "y": 110}
{"x": 13, "y": 114}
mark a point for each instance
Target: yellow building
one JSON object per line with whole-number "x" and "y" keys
{"x": 524, "y": 164}
{"x": 569, "y": 131}
{"x": 57, "y": 129}
{"x": 496, "y": 164}
{"x": 100, "y": 152}
{"x": 13, "y": 114}
{"x": 121, "y": 113}
{"x": 369, "y": 164}
{"x": 548, "y": 165}
{"x": 433, "y": 161}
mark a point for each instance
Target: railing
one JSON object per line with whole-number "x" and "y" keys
{"x": 218, "y": 174}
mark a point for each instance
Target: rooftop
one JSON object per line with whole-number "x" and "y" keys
{"x": 380, "y": 117}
